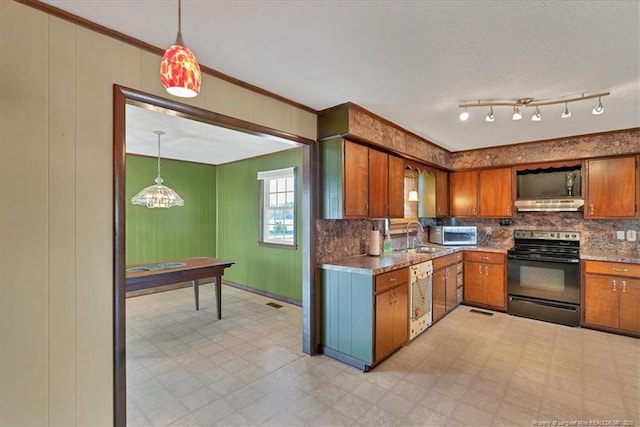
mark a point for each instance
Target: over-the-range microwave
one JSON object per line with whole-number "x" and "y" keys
{"x": 453, "y": 235}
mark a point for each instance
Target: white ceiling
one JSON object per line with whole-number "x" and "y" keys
{"x": 413, "y": 62}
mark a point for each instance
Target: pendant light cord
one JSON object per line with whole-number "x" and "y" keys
{"x": 179, "y": 37}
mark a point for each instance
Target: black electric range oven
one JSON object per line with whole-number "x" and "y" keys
{"x": 543, "y": 276}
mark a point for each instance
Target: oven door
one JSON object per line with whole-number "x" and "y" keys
{"x": 544, "y": 280}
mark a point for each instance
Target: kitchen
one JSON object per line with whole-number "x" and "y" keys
{"x": 66, "y": 313}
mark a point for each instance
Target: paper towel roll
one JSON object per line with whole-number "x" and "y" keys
{"x": 374, "y": 242}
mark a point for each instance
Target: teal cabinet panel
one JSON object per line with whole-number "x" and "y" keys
{"x": 346, "y": 313}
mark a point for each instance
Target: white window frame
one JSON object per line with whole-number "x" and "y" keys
{"x": 265, "y": 179}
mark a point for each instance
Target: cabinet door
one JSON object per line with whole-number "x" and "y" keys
{"x": 611, "y": 188}
{"x": 495, "y": 193}
{"x": 463, "y": 196}
{"x": 439, "y": 299}
{"x": 451, "y": 287}
{"x": 356, "y": 180}
{"x": 493, "y": 291}
{"x": 396, "y": 187}
{"x": 630, "y": 305}
{"x": 473, "y": 282}
{"x": 378, "y": 184}
{"x": 442, "y": 193}
{"x": 384, "y": 323}
{"x": 401, "y": 316}
{"x": 601, "y": 302}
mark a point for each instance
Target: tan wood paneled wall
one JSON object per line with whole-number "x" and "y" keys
{"x": 56, "y": 202}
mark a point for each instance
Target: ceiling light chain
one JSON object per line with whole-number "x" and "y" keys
{"x": 531, "y": 102}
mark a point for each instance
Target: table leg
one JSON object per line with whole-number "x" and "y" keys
{"x": 196, "y": 293}
{"x": 219, "y": 295}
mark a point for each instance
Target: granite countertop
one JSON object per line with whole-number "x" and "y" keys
{"x": 632, "y": 257}
{"x": 373, "y": 265}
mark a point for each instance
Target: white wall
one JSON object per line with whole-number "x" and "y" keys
{"x": 56, "y": 242}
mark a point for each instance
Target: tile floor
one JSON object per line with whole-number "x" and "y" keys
{"x": 185, "y": 368}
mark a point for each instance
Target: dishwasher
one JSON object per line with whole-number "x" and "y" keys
{"x": 420, "y": 290}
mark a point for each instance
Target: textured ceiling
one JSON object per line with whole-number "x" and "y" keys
{"x": 413, "y": 62}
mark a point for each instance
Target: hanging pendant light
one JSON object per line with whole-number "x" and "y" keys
{"x": 158, "y": 195}
{"x": 598, "y": 109}
{"x": 490, "y": 117}
{"x": 536, "y": 116}
{"x": 179, "y": 69}
{"x": 516, "y": 114}
{"x": 566, "y": 113}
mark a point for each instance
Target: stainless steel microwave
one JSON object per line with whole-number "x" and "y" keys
{"x": 453, "y": 235}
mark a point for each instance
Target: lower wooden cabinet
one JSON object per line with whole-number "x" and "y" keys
{"x": 485, "y": 280}
{"x": 612, "y": 295}
{"x": 363, "y": 318}
{"x": 392, "y": 320}
{"x": 445, "y": 284}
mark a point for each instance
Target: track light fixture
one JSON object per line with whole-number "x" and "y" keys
{"x": 517, "y": 104}
{"x": 490, "y": 117}
{"x": 536, "y": 116}
{"x": 598, "y": 109}
{"x": 516, "y": 113}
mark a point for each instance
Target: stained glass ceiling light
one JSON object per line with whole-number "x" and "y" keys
{"x": 158, "y": 195}
{"x": 179, "y": 69}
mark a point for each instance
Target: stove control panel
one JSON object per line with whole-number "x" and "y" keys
{"x": 547, "y": 235}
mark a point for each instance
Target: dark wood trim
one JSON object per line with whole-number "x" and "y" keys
{"x": 75, "y": 19}
{"x": 310, "y": 328}
{"x": 119, "y": 245}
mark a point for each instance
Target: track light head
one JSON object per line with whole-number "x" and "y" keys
{"x": 566, "y": 113}
{"x": 464, "y": 115}
{"x": 490, "y": 117}
{"x": 536, "y": 116}
{"x": 516, "y": 114}
{"x": 598, "y": 109}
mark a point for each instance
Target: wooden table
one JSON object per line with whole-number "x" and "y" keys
{"x": 144, "y": 276}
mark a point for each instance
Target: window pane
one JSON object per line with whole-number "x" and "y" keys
{"x": 273, "y": 185}
{"x": 272, "y": 201}
{"x": 290, "y": 184}
{"x": 282, "y": 184}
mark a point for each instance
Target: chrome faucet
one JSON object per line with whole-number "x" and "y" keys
{"x": 419, "y": 226}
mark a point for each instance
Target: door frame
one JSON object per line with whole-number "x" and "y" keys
{"x": 123, "y": 96}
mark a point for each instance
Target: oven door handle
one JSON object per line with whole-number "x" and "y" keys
{"x": 544, "y": 259}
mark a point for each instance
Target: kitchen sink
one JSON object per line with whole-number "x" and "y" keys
{"x": 423, "y": 250}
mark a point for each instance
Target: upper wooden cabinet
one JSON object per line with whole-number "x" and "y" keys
{"x": 495, "y": 193}
{"x": 463, "y": 193}
{"x": 359, "y": 182}
{"x": 396, "y": 187}
{"x": 442, "y": 193}
{"x": 611, "y": 188}
{"x": 485, "y": 193}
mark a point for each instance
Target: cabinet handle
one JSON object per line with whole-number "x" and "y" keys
{"x": 624, "y": 286}
{"x": 621, "y": 270}
{"x": 591, "y": 209}
{"x": 391, "y": 298}
{"x": 392, "y": 278}
{"x": 484, "y": 258}
{"x": 486, "y": 270}
{"x": 615, "y": 286}
{"x": 473, "y": 211}
{"x": 509, "y": 210}
{"x": 366, "y": 206}
{"x": 480, "y": 269}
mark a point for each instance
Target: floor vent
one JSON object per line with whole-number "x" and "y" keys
{"x": 486, "y": 313}
{"x": 274, "y": 305}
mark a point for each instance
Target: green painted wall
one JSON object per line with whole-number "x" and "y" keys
{"x": 163, "y": 234}
{"x": 275, "y": 270}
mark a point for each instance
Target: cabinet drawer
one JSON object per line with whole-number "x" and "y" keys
{"x": 612, "y": 268}
{"x": 488, "y": 257}
{"x": 391, "y": 279}
{"x": 443, "y": 261}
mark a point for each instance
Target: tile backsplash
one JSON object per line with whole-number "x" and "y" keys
{"x": 341, "y": 238}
